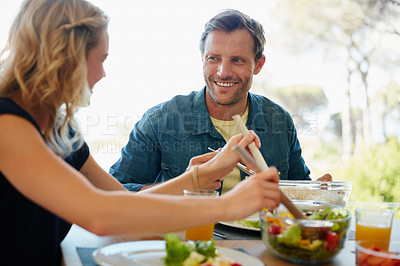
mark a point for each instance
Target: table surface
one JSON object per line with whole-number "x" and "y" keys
{"x": 79, "y": 237}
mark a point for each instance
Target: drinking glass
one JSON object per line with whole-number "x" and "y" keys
{"x": 204, "y": 232}
{"x": 374, "y": 225}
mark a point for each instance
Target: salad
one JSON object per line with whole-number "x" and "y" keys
{"x": 305, "y": 240}
{"x": 198, "y": 253}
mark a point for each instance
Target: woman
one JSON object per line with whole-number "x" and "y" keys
{"x": 49, "y": 180}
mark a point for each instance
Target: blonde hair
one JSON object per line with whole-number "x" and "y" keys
{"x": 45, "y": 61}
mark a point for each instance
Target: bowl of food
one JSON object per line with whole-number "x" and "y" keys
{"x": 335, "y": 192}
{"x": 316, "y": 239}
{"x": 368, "y": 254}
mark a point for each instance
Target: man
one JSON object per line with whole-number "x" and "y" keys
{"x": 169, "y": 134}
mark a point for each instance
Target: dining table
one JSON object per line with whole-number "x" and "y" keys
{"x": 79, "y": 244}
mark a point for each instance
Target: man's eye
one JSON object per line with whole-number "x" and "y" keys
{"x": 237, "y": 60}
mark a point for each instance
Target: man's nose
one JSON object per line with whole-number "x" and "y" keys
{"x": 224, "y": 69}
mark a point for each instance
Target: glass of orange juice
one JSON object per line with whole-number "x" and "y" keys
{"x": 374, "y": 225}
{"x": 204, "y": 232}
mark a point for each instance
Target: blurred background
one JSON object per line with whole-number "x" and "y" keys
{"x": 333, "y": 64}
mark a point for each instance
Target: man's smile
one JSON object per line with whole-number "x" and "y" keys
{"x": 225, "y": 84}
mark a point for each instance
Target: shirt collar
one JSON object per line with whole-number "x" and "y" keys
{"x": 202, "y": 120}
{"x": 201, "y": 116}
{"x": 256, "y": 119}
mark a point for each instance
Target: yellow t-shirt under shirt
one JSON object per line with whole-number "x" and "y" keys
{"x": 229, "y": 129}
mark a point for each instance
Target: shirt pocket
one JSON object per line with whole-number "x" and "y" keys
{"x": 170, "y": 170}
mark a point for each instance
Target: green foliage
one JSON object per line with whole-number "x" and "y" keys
{"x": 375, "y": 173}
{"x": 389, "y": 95}
{"x": 393, "y": 95}
{"x": 327, "y": 151}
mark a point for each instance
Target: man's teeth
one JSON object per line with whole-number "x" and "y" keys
{"x": 225, "y": 84}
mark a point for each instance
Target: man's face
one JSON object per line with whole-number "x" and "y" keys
{"x": 229, "y": 65}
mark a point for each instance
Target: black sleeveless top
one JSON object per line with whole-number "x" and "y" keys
{"x": 29, "y": 234}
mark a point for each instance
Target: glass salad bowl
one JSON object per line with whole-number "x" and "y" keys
{"x": 335, "y": 192}
{"x": 314, "y": 240}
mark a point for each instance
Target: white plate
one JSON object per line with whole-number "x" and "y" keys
{"x": 236, "y": 225}
{"x": 152, "y": 252}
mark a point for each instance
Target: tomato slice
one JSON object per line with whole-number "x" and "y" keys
{"x": 332, "y": 241}
{"x": 274, "y": 229}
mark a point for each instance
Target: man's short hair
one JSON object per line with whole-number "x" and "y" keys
{"x": 229, "y": 20}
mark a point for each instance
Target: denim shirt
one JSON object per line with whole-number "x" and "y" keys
{"x": 162, "y": 143}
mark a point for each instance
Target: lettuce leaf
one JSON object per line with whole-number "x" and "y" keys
{"x": 206, "y": 248}
{"x": 176, "y": 250}
{"x": 291, "y": 237}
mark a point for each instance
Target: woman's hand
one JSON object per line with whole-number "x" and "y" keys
{"x": 208, "y": 182}
{"x": 200, "y": 159}
{"x": 253, "y": 194}
{"x": 226, "y": 158}
{"x": 215, "y": 165}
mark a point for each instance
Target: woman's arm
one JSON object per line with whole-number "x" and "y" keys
{"x": 98, "y": 177}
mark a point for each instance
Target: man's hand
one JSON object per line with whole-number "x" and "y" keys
{"x": 326, "y": 177}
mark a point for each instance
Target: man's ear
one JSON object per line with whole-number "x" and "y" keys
{"x": 259, "y": 65}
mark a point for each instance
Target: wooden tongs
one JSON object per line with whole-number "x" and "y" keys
{"x": 258, "y": 164}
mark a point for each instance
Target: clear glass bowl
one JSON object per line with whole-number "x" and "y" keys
{"x": 304, "y": 241}
{"x": 335, "y": 192}
{"x": 367, "y": 255}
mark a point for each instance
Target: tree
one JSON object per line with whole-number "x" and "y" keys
{"x": 352, "y": 31}
{"x": 388, "y": 99}
{"x": 302, "y": 101}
